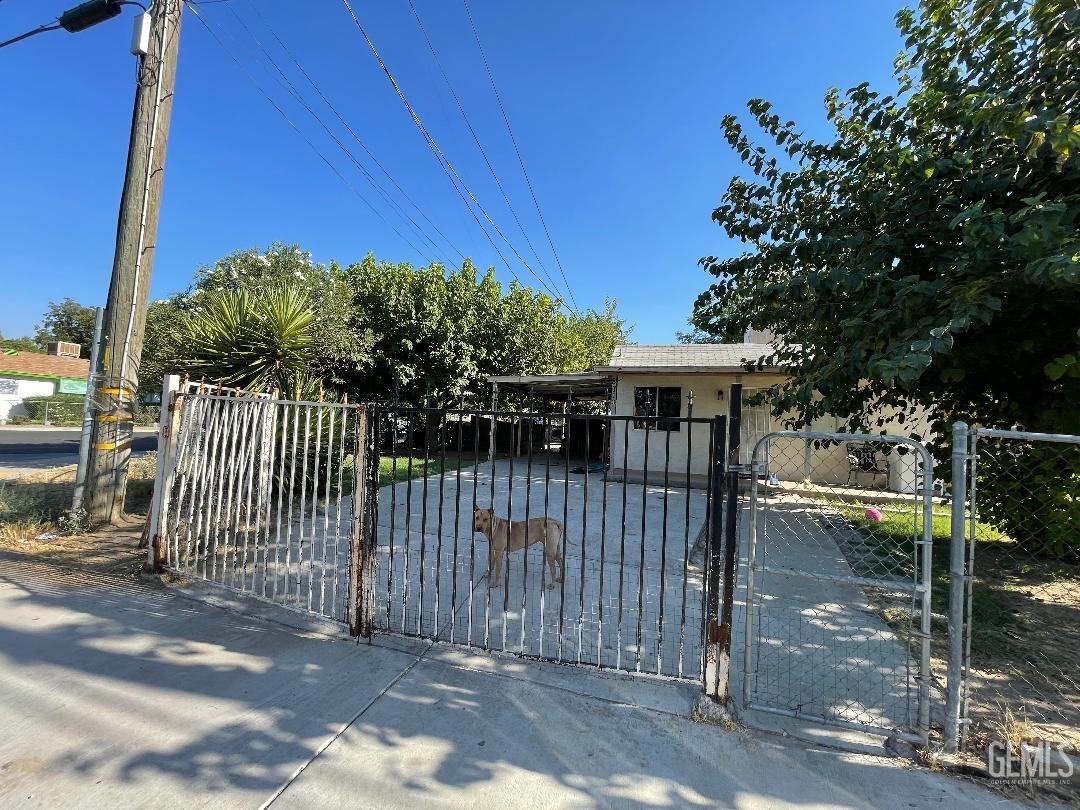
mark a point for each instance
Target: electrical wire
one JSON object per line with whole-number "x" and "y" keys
{"x": 455, "y": 178}
{"x": 295, "y": 93}
{"x": 39, "y": 30}
{"x": 517, "y": 151}
{"x": 374, "y": 183}
{"x": 479, "y": 145}
{"x": 291, "y": 123}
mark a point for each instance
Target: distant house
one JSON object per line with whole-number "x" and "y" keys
{"x": 35, "y": 374}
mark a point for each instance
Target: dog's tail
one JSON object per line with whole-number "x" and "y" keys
{"x": 555, "y": 533}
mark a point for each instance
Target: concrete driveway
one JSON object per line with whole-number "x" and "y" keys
{"x": 118, "y": 693}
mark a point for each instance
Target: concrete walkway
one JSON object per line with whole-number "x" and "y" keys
{"x": 126, "y": 694}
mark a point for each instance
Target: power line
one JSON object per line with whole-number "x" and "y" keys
{"x": 39, "y": 30}
{"x": 297, "y": 129}
{"x": 517, "y": 151}
{"x": 352, "y": 133}
{"x": 291, "y": 88}
{"x": 476, "y": 140}
{"x": 455, "y": 178}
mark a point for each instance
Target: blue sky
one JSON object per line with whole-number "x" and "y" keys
{"x": 616, "y": 108}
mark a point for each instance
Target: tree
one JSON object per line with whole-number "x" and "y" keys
{"x": 69, "y": 321}
{"x": 340, "y": 349}
{"x": 22, "y": 344}
{"x": 928, "y": 256}
{"x": 440, "y": 334}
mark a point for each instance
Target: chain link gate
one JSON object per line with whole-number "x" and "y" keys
{"x": 837, "y": 581}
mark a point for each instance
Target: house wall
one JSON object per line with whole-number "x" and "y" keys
{"x": 671, "y": 448}
{"x": 790, "y": 459}
{"x": 13, "y": 390}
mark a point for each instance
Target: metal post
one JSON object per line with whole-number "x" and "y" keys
{"x": 168, "y": 424}
{"x": 88, "y": 414}
{"x": 714, "y": 556}
{"x": 361, "y": 556}
{"x": 956, "y": 584}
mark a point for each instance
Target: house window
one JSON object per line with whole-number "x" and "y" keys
{"x": 658, "y": 401}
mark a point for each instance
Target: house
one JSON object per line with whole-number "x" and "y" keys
{"x": 683, "y": 380}
{"x": 35, "y": 374}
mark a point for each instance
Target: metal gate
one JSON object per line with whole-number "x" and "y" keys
{"x": 396, "y": 520}
{"x": 615, "y": 510}
{"x": 256, "y": 495}
{"x": 837, "y": 581}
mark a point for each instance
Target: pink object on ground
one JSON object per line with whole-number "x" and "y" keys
{"x": 875, "y": 515}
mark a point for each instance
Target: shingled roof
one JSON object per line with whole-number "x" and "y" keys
{"x": 686, "y": 357}
{"x": 49, "y": 366}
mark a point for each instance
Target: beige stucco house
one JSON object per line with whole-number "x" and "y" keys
{"x": 681, "y": 380}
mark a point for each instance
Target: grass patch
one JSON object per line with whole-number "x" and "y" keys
{"x": 390, "y": 473}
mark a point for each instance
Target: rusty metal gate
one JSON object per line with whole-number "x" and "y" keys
{"x": 837, "y": 581}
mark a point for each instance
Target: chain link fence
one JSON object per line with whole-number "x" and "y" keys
{"x": 1021, "y": 662}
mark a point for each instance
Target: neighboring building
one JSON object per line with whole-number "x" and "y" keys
{"x": 34, "y": 374}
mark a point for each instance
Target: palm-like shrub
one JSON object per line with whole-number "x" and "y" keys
{"x": 255, "y": 339}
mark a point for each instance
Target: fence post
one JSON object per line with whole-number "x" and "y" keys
{"x": 168, "y": 428}
{"x": 361, "y": 552}
{"x": 731, "y": 537}
{"x": 956, "y": 584}
{"x": 714, "y": 558}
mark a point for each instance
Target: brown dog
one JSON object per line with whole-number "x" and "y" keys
{"x": 505, "y": 536}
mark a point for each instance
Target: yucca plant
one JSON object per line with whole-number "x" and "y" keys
{"x": 250, "y": 339}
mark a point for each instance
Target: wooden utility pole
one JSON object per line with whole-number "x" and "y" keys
{"x": 117, "y": 377}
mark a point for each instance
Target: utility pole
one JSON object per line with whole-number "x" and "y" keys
{"x": 117, "y": 372}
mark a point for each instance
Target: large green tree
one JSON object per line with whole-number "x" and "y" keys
{"x": 440, "y": 333}
{"x": 67, "y": 320}
{"x": 928, "y": 255}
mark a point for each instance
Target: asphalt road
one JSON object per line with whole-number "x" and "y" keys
{"x": 60, "y": 441}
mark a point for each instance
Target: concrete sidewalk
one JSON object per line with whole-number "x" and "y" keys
{"x": 127, "y": 694}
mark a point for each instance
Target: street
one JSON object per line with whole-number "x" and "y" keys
{"x": 125, "y": 693}
{"x": 25, "y": 449}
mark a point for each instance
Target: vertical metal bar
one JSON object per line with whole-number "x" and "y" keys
{"x": 525, "y": 551}
{"x": 269, "y": 492}
{"x": 439, "y": 522}
{"x": 627, "y": 424}
{"x": 969, "y": 579}
{"x": 257, "y": 408}
{"x": 663, "y": 547}
{"x": 423, "y": 522}
{"x": 408, "y": 515}
{"x": 198, "y": 465}
{"x": 714, "y": 551}
{"x": 731, "y": 537}
{"x": 641, "y": 561}
{"x": 927, "y": 583}
{"x": 236, "y": 483}
{"x": 710, "y": 497}
{"x": 751, "y": 572}
{"x": 684, "y": 573}
{"x": 394, "y": 415}
{"x": 606, "y": 453}
{"x": 457, "y": 528}
{"x": 494, "y": 436}
{"x": 337, "y": 515}
{"x": 228, "y": 440}
{"x": 208, "y": 500}
{"x": 547, "y": 553}
{"x": 472, "y": 520}
{"x": 280, "y": 487}
{"x": 313, "y": 537}
{"x": 331, "y": 414}
{"x": 361, "y": 553}
{"x": 514, "y": 426}
{"x": 956, "y": 584}
{"x": 584, "y": 541}
{"x": 566, "y": 527}
{"x": 292, "y": 489}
